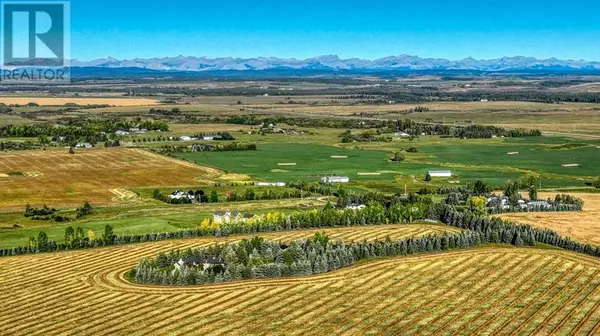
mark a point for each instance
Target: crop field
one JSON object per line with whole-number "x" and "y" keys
{"x": 468, "y": 159}
{"x": 582, "y": 226}
{"x": 554, "y": 152}
{"x": 311, "y": 162}
{"x": 493, "y": 291}
{"x": 57, "y": 178}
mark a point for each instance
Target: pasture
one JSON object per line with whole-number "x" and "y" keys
{"x": 273, "y": 162}
{"x": 469, "y": 160}
{"x": 543, "y": 155}
{"x": 147, "y": 217}
{"x": 582, "y": 226}
{"x": 488, "y": 291}
{"x": 58, "y": 178}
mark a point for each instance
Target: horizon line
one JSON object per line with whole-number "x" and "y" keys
{"x": 335, "y": 55}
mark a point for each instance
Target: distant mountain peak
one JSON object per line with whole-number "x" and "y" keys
{"x": 334, "y": 62}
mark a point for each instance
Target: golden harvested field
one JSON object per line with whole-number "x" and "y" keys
{"x": 50, "y": 101}
{"x": 474, "y": 292}
{"x": 57, "y": 178}
{"x": 582, "y": 226}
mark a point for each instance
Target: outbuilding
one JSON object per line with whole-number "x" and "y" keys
{"x": 334, "y": 179}
{"x": 440, "y": 173}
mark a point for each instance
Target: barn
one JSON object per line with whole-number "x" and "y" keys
{"x": 440, "y": 173}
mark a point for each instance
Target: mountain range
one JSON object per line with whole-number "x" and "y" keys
{"x": 334, "y": 63}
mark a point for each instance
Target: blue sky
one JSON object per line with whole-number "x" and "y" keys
{"x": 305, "y": 28}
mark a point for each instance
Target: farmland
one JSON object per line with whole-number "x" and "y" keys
{"x": 55, "y": 101}
{"x": 61, "y": 179}
{"x": 582, "y": 226}
{"x": 515, "y": 285}
{"x": 469, "y": 160}
{"x": 479, "y": 291}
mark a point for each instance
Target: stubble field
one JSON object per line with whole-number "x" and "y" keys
{"x": 583, "y": 226}
{"x": 99, "y": 176}
{"x": 496, "y": 291}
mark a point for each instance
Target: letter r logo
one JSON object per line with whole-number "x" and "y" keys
{"x": 35, "y": 33}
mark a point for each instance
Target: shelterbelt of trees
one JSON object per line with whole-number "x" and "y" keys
{"x": 381, "y": 210}
{"x": 79, "y": 128}
{"x": 256, "y": 258}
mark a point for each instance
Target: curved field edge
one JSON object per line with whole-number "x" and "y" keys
{"x": 478, "y": 291}
{"x": 582, "y": 225}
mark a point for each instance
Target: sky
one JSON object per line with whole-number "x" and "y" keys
{"x": 456, "y": 29}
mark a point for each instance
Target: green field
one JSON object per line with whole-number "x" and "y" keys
{"x": 541, "y": 155}
{"x": 150, "y": 217}
{"x": 312, "y": 162}
{"x": 469, "y": 160}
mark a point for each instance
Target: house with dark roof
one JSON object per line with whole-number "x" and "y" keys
{"x": 195, "y": 261}
{"x": 179, "y": 194}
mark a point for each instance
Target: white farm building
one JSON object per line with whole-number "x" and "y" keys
{"x": 440, "y": 173}
{"x": 335, "y": 179}
{"x": 270, "y": 184}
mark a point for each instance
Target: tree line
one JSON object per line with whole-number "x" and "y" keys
{"x": 499, "y": 231}
{"x": 493, "y": 230}
{"x": 46, "y": 213}
{"x": 230, "y": 147}
{"x": 249, "y": 194}
{"x": 257, "y": 258}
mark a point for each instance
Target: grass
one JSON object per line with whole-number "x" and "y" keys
{"x": 312, "y": 162}
{"x": 536, "y": 155}
{"x": 153, "y": 217}
{"x": 469, "y": 160}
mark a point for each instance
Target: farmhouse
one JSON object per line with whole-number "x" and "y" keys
{"x": 356, "y": 206}
{"x": 504, "y": 203}
{"x": 401, "y": 134}
{"x": 187, "y": 138}
{"x": 138, "y": 130}
{"x": 334, "y": 179}
{"x": 270, "y": 184}
{"x": 84, "y": 145}
{"x": 180, "y": 194}
{"x": 440, "y": 173}
{"x": 121, "y": 133}
{"x": 539, "y": 205}
{"x": 227, "y": 217}
{"x": 195, "y": 261}
{"x": 211, "y": 137}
